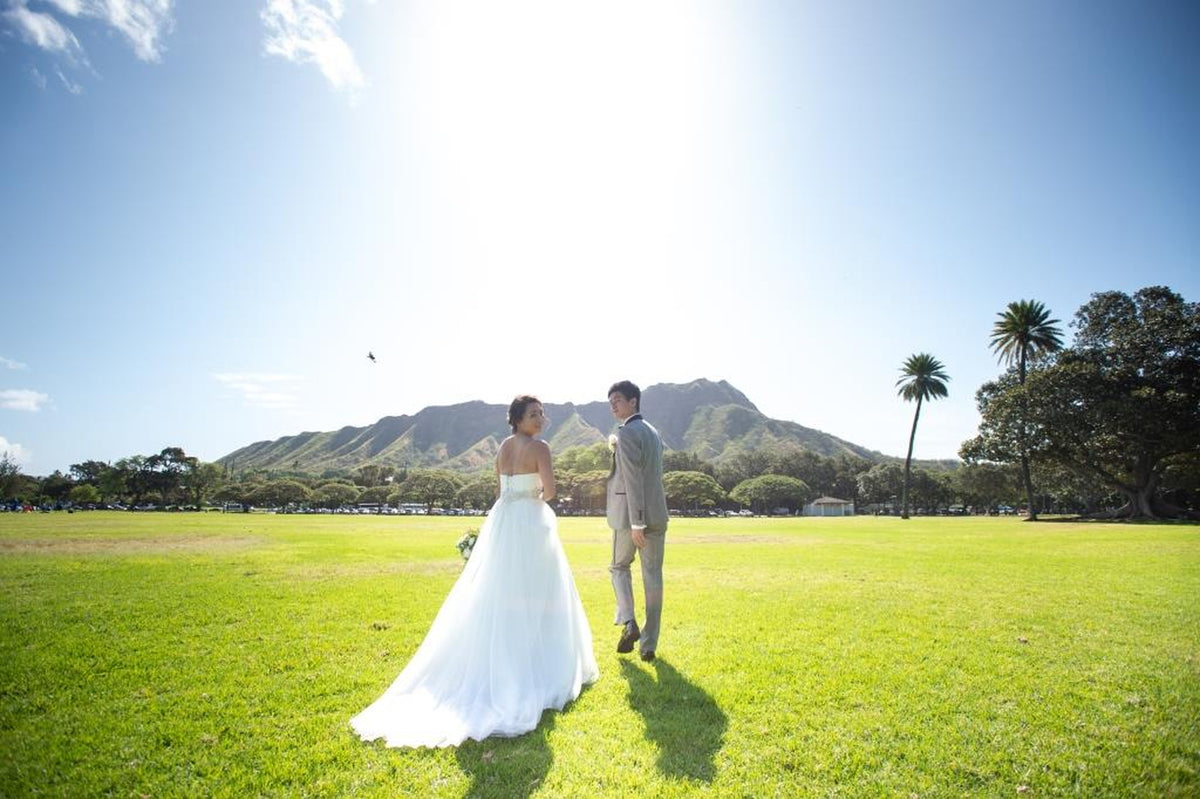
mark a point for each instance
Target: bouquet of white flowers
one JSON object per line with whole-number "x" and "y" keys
{"x": 467, "y": 543}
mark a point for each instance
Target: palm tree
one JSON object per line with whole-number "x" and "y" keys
{"x": 922, "y": 377}
{"x": 1023, "y": 333}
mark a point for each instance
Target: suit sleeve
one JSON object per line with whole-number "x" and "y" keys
{"x": 630, "y": 468}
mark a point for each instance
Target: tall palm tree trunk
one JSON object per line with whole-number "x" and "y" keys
{"x": 1032, "y": 515}
{"x": 908, "y": 462}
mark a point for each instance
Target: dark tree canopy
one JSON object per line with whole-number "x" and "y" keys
{"x": 431, "y": 486}
{"x": 335, "y": 494}
{"x": 1120, "y": 407}
{"x": 692, "y": 490}
{"x": 769, "y": 491}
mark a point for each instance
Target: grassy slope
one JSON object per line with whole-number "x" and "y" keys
{"x": 222, "y": 655}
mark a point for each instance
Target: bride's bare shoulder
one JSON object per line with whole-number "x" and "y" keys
{"x": 505, "y": 454}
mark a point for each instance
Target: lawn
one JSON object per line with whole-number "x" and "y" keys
{"x": 222, "y": 655}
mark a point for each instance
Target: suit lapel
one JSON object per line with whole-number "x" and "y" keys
{"x": 613, "y": 469}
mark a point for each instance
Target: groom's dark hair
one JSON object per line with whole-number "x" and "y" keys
{"x": 627, "y": 390}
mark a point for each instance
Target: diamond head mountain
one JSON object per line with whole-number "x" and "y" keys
{"x": 711, "y": 419}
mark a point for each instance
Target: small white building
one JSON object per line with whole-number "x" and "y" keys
{"x": 829, "y": 506}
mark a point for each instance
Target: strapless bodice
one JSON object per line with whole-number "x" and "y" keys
{"x": 520, "y": 486}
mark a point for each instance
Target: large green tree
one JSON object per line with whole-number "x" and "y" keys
{"x": 1181, "y": 480}
{"x": 987, "y": 485}
{"x": 846, "y": 469}
{"x": 586, "y": 491}
{"x": 431, "y": 486}
{"x": 931, "y": 489}
{"x": 112, "y": 484}
{"x": 744, "y": 465}
{"x": 201, "y": 480}
{"x": 135, "y": 476}
{"x": 167, "y": 469}
{"x": 279, "y": 493}
{"x": 588, "y": 458}
{"x": 379, "y": 495}
{"x": 692, "y": 490}
{"x": 681, "y": 461}
{"x": 881, "y": 484}
{"x": 373, "y": 474}
{"x": 479, "y": 494}
{"x": 335, "y": 494}
{"x": 1120, "y": 407}
{"x": 56, "y": 486}
{"x": 84, "y": 494}
{"x": 89, "y": 472}
{"x": 10, "y": 475}
{"x": 811, "y": 467}
{"x": 1025, "y": 333}
{"x": 922, "y": 377}
{"x": 769, "y": 491}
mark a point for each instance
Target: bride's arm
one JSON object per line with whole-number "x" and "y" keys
{"x": 499, "y": 471}
{"x": 546, "y": 471}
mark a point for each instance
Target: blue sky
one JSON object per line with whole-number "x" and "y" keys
{"x": 210, "y": 212}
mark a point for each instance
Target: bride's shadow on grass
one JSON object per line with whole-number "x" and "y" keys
{"x": 511, "y": 767}
{"x": 681, "y": 719}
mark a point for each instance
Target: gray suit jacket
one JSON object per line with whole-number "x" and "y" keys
{"x": 635, "y": 488}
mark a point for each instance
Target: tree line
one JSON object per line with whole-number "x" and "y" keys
{"x": 173, "y": 479}
{"x": 1110, "y": 423}
{"x": 1107, "y": 426}
{"x": 761, "y": 480}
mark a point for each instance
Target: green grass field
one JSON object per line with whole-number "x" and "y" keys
{"x": 213, "y": 655}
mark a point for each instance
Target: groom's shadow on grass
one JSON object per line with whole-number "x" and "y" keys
{"x": 681, "y": 719}
{"x": 510, "y": 767}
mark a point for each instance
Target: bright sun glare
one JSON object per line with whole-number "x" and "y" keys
{"x": 550, "y": 122}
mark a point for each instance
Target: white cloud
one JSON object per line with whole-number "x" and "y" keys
{"x": 72, "y": 7}
{"x": 68, "y": 84}
{"x": 262, "y": 390}
{"x": 22, "y": 399}
{"x": 9, "y": 363}
{"x": 39, "y": 80}
{"x": 306, "y": 31}
{"x": 42, "y": 30}
{"x": 15, "y": 451}
{"x": 143, "y": 23}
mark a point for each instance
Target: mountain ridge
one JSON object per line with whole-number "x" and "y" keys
{"x": 711, "y": 418}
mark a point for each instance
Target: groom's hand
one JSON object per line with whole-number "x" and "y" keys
{"x": 638, "y": 534}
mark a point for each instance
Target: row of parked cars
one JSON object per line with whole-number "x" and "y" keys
{"x": 387, "y": 510}
{"x": 348, "y": 510}
{"x": 70, "y": 507}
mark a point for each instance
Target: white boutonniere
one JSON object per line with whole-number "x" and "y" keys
{"x": 612, "y": 442}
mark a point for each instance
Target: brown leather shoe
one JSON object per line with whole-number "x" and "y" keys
{"x": 628, "y": 637}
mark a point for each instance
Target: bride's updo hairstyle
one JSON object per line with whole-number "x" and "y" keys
{"x": 516, "y": 411}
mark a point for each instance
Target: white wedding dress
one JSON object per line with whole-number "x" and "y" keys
{"x": 510, "y": 641}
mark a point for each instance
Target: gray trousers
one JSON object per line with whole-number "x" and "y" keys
{"x": 651, "y": 557}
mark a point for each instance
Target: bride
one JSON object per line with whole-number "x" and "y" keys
{"x": 511, "y": 639}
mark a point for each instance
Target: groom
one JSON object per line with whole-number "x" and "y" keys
{"x": 637, "y": 514}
